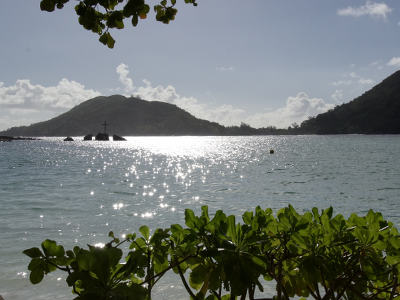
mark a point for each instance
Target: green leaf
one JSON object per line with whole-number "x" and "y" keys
{"x": 258, "y": 261}
{"x": 232, "y": 228}
{"x": 50, "y": 248}
{"x": 33, "y": 252}
{"x": 35, "y": 264}
{"x": 197, "y": 277}
{"x": 204, "y": 212}
{"x": 247, "y": 217}
{"x": 395, "y": 242}
{"x": 36, "y": 276}
{"x": 393, "y": 260}
{"x": 107, "y": 40}
{"x": 315, "y": 213}
{"x": 145, "y": 231}
{"x": 48, "y": 5}
{"x": 135, "y": 20}
{"x": 190, "y": 219}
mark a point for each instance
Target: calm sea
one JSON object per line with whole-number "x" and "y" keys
{"x": 76, "y": 192}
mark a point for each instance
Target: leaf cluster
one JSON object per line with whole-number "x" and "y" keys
{"x": 315, "y": 255}
{"x": 99, "y": 16}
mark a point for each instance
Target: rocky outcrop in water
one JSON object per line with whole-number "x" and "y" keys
{"x": 88, "y": 137}
{"x": 118, "y": 138}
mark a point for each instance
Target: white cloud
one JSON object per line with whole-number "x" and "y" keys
{"x": 24, "y": 94}
{"x": 337, "y": 96}
{"x": 361, "y": 80}
{"x": 366, "y": 81}
{"x": 353, "y": 78}
{"x": 394, "y": 62}
{"x": 342, "y": 82}
{"x": 225, "y": 68}
{"x": 224, "y": 114}
{"x": 23, "y": 102}
{"x": 297, "y": 109}
{"x": 123, "y": 72}
{"x": 353, "y": 75}
{"x": 377, "y": 64}
{"x": 373, "y": 9}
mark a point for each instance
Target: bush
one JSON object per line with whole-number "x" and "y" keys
{"x": 314, "y": 254}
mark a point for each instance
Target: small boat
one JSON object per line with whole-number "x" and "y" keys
{"x": 102, "y": 137}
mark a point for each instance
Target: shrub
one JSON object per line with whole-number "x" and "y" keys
{"x": 314, "y": 254}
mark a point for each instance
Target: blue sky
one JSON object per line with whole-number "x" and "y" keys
{"x": 263, "y": 62}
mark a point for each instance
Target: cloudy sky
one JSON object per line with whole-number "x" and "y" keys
{"x": 263, "y": 62}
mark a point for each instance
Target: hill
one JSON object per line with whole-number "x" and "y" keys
{"x": 126, "y": 116}
{"x": 375, "y": 112}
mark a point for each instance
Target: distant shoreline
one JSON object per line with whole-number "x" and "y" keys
{"x": 6, "y": 138}
{"x": 37, "y": 138}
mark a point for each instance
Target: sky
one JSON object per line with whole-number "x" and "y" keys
{"x": 262, "y": 62}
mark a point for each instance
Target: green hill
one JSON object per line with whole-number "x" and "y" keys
{"x": 375, "y": 112}
{"x": 126, "y": 116}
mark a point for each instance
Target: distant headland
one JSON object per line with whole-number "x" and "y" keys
{"x": 375, "y": 112}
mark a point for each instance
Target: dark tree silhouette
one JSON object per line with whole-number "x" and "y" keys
{"x": 99, "y": 16}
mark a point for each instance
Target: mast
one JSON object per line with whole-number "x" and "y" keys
{"x": 105, "y": 127}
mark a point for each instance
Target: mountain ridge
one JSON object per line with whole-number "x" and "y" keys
{"x": 377, "y": 111}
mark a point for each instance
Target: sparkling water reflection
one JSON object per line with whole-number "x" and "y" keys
{"x": 76, "y": 192}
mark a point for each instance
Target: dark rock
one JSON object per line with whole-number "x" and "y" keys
{"x": 88, "y": 137}
{"x": 102, "y": 137}
{"x": 118, "y": 138}
{"x": 4, "y": 138}
{"x": 68, "y": 139}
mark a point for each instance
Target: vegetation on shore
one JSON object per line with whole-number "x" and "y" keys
{"x": 315, "y": 254}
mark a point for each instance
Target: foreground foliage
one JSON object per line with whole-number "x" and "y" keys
{"x": 315, "y": 255}
{"x": 99, "y": 16}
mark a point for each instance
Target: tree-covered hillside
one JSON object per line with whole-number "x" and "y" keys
{"x": 126, "y": 116}
{"x": 375, "y": 112}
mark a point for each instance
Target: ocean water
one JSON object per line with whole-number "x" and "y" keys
{"x": 76, "y": 192}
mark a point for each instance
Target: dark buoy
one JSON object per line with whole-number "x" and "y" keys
{"x": 68, "y": 139}
{"x": 271, "y": 151}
